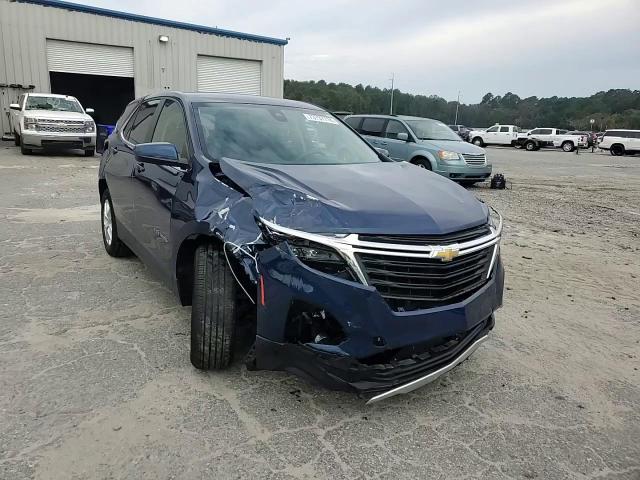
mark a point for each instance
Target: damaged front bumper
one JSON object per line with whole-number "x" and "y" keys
{"x": 381, "y": 352}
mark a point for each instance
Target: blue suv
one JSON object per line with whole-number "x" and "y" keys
{"x": 427, "y": 143}
{"x": 282, "y": 227}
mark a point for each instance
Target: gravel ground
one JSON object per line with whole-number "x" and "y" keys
{"x": 95, "y": 380}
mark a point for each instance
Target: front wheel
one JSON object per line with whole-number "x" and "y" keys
{"x": 16, "y": 138}
{"x": 422, "y": 163}
{"x": 90, "y": 152}
{"x": 24, "y": 150}
{"x": 567, "y": 146}
{"x": 213, "y": 311}
{"x": 478, "y": 142}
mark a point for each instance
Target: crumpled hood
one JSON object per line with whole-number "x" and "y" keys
{"x": 454, "y": 146}
{"x": 55, "y": 115}
{"x": 392, "y": 198}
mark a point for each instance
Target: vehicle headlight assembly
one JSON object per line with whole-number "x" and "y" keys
{"x": 89, "y": 126}
{"x": 448, "y": 156}
{"x": 30, "y": 123}
{"x": 313, "y": 254}
{"x": 495, "y": 220}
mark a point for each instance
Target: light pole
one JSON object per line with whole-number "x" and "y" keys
{"x": 455, "y": 122}
{"x": 391, "y": 107}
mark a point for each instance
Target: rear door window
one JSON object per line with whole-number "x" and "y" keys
{"x": 545, "y": 131}
{"x": 373, "y": 126}
{"x": 140, "y": 128}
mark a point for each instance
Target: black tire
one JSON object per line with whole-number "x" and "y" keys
{"x": 530, "y": 146}
{"x": 422, "y": 163}
{"x": 16, "y": 138}
{"x": 477, "y": 141}
{"x": 617, "y": 150}
{"x": 24, "y": 150}
{"x": 90, "y": 152}
{"x": 114, "y": 247}
{"x": 567, "y": 146}
{"x": 213, "y": 311}
{"x": 468, "y": 183}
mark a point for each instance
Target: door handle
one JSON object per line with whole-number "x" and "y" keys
{"x": 139, "y": 167}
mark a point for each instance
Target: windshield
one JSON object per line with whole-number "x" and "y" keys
{"x": 55, "y": 104}
{"x": 426, "y": 129}
{"x": 279, "y": 135}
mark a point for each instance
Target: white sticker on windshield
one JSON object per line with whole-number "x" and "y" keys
{"x": 320, "y": 118}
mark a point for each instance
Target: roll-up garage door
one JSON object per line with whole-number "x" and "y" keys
{"x": 229, "y": 75}
{"x": 89, "y": 58}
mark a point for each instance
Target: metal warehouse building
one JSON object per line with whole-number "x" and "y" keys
{"x": 106, "y": 58}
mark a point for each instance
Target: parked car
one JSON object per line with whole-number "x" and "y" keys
{"x": 551, "y": 138}
{"x": 427, "y": 143}
{"x": 364, "y": 274}
{"x": 621, "y": 142}
{"x": 496, "y": 135}
{"x": 462, "y": 131}
{"x": 45, "y": 120}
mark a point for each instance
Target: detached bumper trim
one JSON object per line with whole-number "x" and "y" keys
{"x": 419, "y": 382}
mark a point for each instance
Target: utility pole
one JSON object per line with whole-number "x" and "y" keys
{"x": 391, "y": 107}
{"x": 455, "y": 122}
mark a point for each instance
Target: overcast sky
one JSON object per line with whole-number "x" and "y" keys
{"x": 529, "y": 47}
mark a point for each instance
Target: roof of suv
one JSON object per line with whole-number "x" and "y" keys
{"x": 397, "y": 117}
{"x": 235, "y": 98}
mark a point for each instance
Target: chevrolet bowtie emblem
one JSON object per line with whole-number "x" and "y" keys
{"x": 447, "y": 254}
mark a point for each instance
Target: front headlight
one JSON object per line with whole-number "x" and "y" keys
{"x": 30, "y": 123}
{"x": 89, "y": 126}
{"x": 446, "y": 155}
{"x": 314, "y": 255}
{"x": 495, "y": 220}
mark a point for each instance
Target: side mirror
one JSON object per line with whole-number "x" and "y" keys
{"x": 89, "y": 110}
{"x": 158, "y": 153}
{"x": 14, "y": 106}
{"x": 403, "y": 136}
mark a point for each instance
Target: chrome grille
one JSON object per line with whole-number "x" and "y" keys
{"x": 460, "y": 236}
{"x": 60, "y": 128}
{"x": 474, "y": 158}
{"x": 412, "y": 283}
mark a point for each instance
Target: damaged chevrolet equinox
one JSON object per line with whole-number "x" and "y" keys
{"x": 354, "y": 271}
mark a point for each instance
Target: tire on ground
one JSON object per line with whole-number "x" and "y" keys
{"x": 116, "y": 248}
{"x": 213, "y": 311}
{"x": 422, "y": 163}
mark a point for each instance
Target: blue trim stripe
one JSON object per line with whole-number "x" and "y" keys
{"x": 155, "y": 21}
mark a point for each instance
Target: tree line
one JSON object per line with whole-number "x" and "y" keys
{"x": 617, "y": 108}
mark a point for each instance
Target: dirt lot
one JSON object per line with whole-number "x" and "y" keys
{"x": 95, "y": 380}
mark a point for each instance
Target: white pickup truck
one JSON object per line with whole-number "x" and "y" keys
{"x": 551, "y": 138}
{"x": 495, "y": 135}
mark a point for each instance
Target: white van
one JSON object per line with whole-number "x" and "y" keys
{"x": 620, "y": 142}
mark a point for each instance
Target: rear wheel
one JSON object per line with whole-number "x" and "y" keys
{"x": 16, "y": 138}
{"x": 477, "y": 141}
{"x": 617, "y": 150}
{"x": 530, "y": 146}
{"x": 112, "y": 244}
{"x": 422, "y": 163}
{"x": 213, "y": 311}
{"x": 567, "y": 146}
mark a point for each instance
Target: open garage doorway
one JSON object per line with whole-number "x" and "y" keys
{"x": 105, "y": 94}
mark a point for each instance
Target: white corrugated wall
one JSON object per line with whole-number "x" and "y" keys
{"x": 25, "y": 28}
